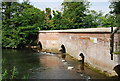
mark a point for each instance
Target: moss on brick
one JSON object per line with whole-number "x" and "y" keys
{"x": 116, "y": 52}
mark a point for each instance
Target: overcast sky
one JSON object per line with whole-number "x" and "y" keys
{"x": 56, "y": 4}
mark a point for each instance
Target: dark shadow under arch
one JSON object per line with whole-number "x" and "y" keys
{"x": 82, "y": 61}
{"x": 40, "y": 45}
{"x": 63, "y": 50}
{"x": 117, "y": 69}
{"x": 83, "y": 57}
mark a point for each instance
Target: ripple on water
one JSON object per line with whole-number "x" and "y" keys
{"x": 44, "y": 53}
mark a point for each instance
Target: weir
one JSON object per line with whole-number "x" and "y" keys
{"x": 93, "y": 43}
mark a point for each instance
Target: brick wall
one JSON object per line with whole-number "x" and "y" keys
{"x": 95, "y": 45}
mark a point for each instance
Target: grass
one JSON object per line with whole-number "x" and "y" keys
{"x": 25, "y": 76}
{"x": 5, "y": 74}
{"x": 14, "y": 72}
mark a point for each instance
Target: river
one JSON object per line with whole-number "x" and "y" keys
{"x": 28, "y": 64}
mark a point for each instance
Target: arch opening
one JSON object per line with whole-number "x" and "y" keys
{"x": 40, "y": 45}
{"x": 117, "y": 70}
{"x": 63, "y": 51}
{"x": 83, "y": 57}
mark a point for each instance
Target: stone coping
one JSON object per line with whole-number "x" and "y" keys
{"x": 85, "y": 30}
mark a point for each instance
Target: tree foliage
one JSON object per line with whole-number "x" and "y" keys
{"x": 74, "y": 13}
{"x": 21, "y": 22}
{"x": 115, "y": 6}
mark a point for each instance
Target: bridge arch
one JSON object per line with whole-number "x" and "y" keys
{"x": 63, "y": 49}
{"x": 83, "y": 57}
{"x": 117, "y": 69}
{"x": 40, "y": 45}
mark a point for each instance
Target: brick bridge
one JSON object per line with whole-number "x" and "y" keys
{"x": 94, "y": 43}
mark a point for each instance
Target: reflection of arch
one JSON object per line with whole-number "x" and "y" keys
{"x": 117, "y": 69}
{"x": 63, "y": 50}
{"x": 40, "y": 45}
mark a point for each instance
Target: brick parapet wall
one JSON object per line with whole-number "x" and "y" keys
{"x": 94, "y": 45}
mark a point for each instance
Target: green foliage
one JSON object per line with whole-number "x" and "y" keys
{"x": 21, "y": 22}
{"x": 59, "y": 22}
{"x": 97, "y": 19}
{"x": 26, "y": 76}
{"x": 5, "y": 74}
{"x": 92, "y": 19}
{"x": 77, "y": 15}
{"x": 108, "y": 21}
{"x": 48, "y": 23}
{"x": 12, "y": 74}
{"x": 115, "y": 9}
{"x": 74, "y": 13}
{"x": 115, "y": 6}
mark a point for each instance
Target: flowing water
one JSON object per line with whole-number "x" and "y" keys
{"x": 28, "y": 64}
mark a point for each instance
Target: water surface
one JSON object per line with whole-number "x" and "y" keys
{"x": 29, "y": 64}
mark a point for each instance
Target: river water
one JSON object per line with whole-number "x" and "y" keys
{"x": 28, "y": 64}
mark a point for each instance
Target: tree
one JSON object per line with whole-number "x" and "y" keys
{"x": 21, "y": 22}
{"x": 48, "y": 24}
{"x": 108, "y": 20}
{"x": 92, "y": 19}
{"x": 31, "y": 21}
{"x": 74, "y": 13}
{"x": 9, "y": 33}
{"x": 58, "y": 20}
{"x": 115, "y": 9}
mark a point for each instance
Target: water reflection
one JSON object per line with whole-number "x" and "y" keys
{"x": 82, "y": 66}
{"x": 25, "y": 61}
{"x": 49, "y": 61}
{"x": 42, "y": 65}
{"x": 63, "y": 52}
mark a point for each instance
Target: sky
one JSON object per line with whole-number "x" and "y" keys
{"x": 96, "y": 5}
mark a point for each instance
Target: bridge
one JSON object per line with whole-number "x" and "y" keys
{"x": 93, "y": 43}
